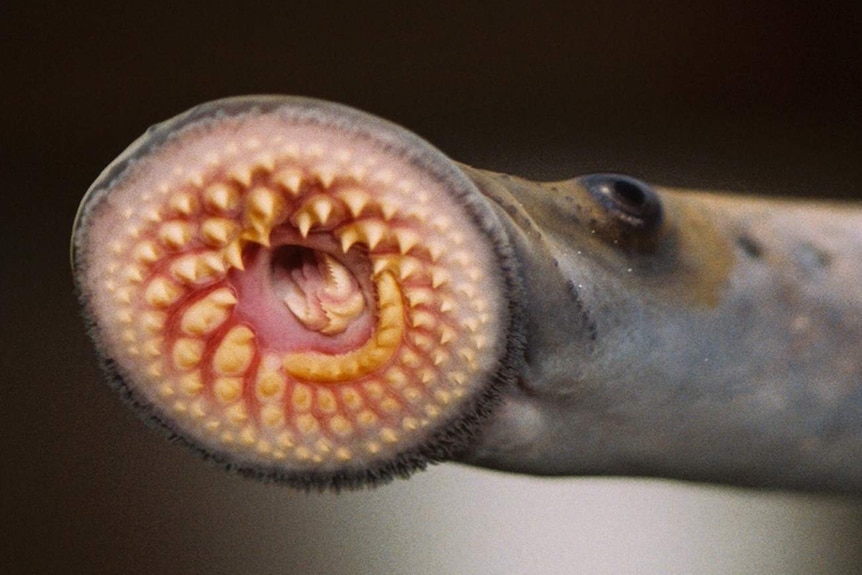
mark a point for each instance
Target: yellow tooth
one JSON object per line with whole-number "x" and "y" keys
{"x": 264, "y": 162}
{"x": 197, "y": 410}
{"x": 270, "y": 385}
{"x": 241, "y": 174}
{"x": 388, "y": 435}
{"x": 228, "y": 389}
{"x": 303, "y": 221}
{"x": 221, "y": 197}
{"x": 233, "y": 254}
{"x": 458, "y": 377}
{"x": 188, "y": 352}
{"x": 236, "y": 414}
{"x": 301, "y": 397}
{"x": 326, "y": 175}
{"x": 340, "y": 426}
{"x": 208, "y": 313}
{"x": 355, "y": 199}
{"x": 396, "y": 378}
{"x": 289, "y": 178}
{"x": 367, "y": 418}
{"x": 263, "y": 206}
{"x": 153, "y": 348}
{"x": 372, "y": 447}
{"x": 408, "y": 267}
{"x": 218, "y": 231}
{"x": 439, "y": 276}
{"x": 370, "y": 357}
{"x": 146, "y": 252}
{"x": 307, "y": 424}
{"x": 185, "y": 269}
{"x": 272, "y": 416}
{"x": 263, "y": 447}
{"x": 412, "y": 394}
{"x": 183, "y": 203}
{"x": 418, "y": 296}
{"x": 349, "y": 236}
{"x": 439, "y": 357}
{"x": 389, "y": 210}
{"x": 162, "y": 292}
{"x": 248, "y": 436}
{"x": 447, "y": 334}
{"x": 351, "y": 399}
{"x": 153, "y": 321}
{"x": 322, "y": 208}
{"x": 191, "y": 383}
{"x": 175, "y": 234}
{"x": 406, "y": 239}
{"x": 424, "y": 319}
{"x": 372, "y": 232}
{"x": 326, "y": 401}
{"x": 234, "y": 354}
{"x": 133, "y": 274}
{"x": 440, "y": 223}
{"x": 343, "y": 454}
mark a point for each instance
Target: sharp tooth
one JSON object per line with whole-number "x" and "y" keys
{"x": 153, "y": 321}
{"x": 418, "y": 296}
{"x": 301, "y": 397}
{"x": 272, "y": 416}
{"x": 162, "y": 292}
{"x": 236, "y": 414}
{"x": 439, "y": 276}
{"x": 187, "y": 352}
{"x": 221, "y": 197}
{"x": 372, "y": 232}
{"x": 228, "y": 389}
{"x": 389, "y": 210}
{"x": 388, "y": 435}
{"x": 303, "y": 222}
{"x": 241, "y": 174}
{"x": 212, "y": 263}
{"x": 133, "y": 274}
{"x": 355, "y": 199}
{"x": 205, "y": 315}
{"x": 289, "y": 178}
{"x": 382, "y": 263}
{"x": 233, "y": 254}
{"x": 447, "y": 334}
{"x": 424, "y": 319}
{"x": 406, "y": 239}
{"x": 184, "y": 204}
{"x": 146, "y": 252}
{"x": 185, "y": 269}
{"x": 435, "y": 249}
{"x": 270, "y": 385}
{"x": 191, "y": 383}
{"x": 235, "y": 351}
{"x": 322, "y": 208}
{"x": 326, "y": 401}
{"x": 326, "y": 175}
{"x": 439, "y": 357}
{"x": 447, "y": 305}
{"x": 218, "y": 231}
{"x": 264, "y": 162}
{"x": 262, "y": 205}
{"x": 307, "y": 424}
{"x": 348, "y": 237}
{"x": 175, "y": 234}
{"x": 408, "y": 267}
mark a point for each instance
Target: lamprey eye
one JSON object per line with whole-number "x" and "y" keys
{"x": 630, "y": 200}
{"x": 633, "y": 210}
{"x": 296, "y": 289}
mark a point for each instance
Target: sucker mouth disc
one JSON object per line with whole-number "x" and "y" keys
{"x": 299, "y": 290}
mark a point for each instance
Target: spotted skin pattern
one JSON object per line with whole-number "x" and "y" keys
{"x": 290, "y": 300}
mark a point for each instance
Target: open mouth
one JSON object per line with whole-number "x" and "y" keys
{"x": 297, "y": 289}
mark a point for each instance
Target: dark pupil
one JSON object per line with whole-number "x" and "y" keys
{"x": 628, "y": 193}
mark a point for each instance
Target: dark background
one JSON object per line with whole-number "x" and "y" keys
{"x": 760, "y": 97}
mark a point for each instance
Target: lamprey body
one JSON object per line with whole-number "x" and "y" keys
{"x": 312, "y": 295}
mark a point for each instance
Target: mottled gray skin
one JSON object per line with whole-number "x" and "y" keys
{"x": 730, "y": 351}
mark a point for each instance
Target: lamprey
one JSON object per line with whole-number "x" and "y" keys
{"x": 309, "y": 294}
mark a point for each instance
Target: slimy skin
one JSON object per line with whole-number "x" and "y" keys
{"x": 312, "y": 295}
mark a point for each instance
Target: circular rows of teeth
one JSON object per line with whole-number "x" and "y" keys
{"x": 190, "y": 239}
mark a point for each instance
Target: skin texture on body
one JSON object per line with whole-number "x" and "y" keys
{"x": 309, "y": 294}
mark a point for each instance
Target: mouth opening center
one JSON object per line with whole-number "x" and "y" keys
{"x": 320, "y": 291}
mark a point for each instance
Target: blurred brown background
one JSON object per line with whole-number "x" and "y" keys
{"x": 761, "y": 97}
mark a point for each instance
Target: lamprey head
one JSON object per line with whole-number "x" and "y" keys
{"x": 298, "y": 290}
